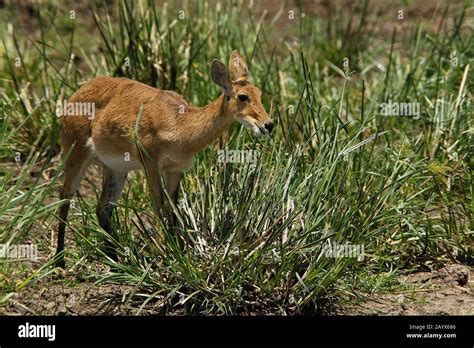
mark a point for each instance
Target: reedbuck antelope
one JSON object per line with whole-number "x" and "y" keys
{"x": 170, "y": 131}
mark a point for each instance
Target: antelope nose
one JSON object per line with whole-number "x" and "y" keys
{"x": 269, "y": 126}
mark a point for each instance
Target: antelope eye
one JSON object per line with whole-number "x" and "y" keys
{"x": 243, "y": 97}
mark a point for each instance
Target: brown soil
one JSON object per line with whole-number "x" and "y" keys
{"x": 65, "y": 293}
{"x": 447, "y": 291}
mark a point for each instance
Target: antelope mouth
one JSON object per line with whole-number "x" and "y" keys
{"x": 263, "y": 130}
{"x": 256, "y": 128}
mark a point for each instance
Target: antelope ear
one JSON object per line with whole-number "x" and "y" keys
{"x": 220, "y": 75}
{"x": 238, "y": 67}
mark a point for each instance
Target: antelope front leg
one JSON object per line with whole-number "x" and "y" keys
{"x": 153, "y": 174}
{"x": 172, "y": 180}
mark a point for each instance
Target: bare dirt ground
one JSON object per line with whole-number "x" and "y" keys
{"x": 447, "y": 291}
{"x": 68, "y": 293}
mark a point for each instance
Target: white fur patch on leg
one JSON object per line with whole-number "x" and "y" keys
{"x": 90, "y": 145}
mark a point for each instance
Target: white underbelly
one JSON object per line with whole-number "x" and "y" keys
{"x": 119, "y": 162}
{"x": 125, "y": 162}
